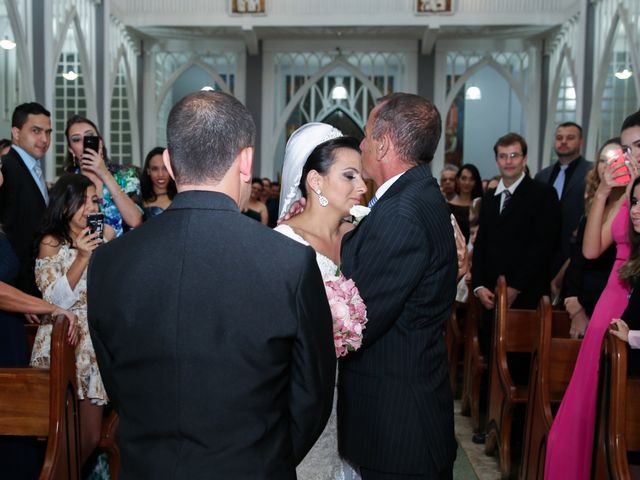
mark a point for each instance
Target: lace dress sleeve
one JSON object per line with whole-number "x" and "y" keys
{"x": 51, "y": 278}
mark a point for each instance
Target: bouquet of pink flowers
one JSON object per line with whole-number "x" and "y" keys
{"x": 348, "y": 311}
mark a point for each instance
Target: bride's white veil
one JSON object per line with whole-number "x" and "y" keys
{"x": 300, "y": 145}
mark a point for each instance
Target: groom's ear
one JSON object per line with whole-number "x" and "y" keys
{"x": 245, "y": 164}
{"x": 167, "y": 163}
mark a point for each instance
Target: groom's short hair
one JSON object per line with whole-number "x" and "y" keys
{"x": 205, "y": 133}
{"x": 412, "y": 123}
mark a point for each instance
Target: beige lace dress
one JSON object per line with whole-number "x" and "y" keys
{"x": 51, "y": 277}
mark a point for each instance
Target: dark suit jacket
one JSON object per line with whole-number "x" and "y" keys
{"x": 395, "y": 407}
{"x": 572, "y": 203}
{"x": 518, "y": 243}
{"x": 214, "y": 338}
{"x": 21, "y": 210}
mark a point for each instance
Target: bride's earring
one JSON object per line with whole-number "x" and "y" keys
{"x": 322, "y": 199}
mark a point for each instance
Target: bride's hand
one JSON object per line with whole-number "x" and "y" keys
{"x": 297, "y": 207}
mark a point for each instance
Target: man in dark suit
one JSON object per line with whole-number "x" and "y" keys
{"x": 24, "y": 196}
{"x": 518, "y": 231}
{"x": 213, "y": 333}
{"x": 568, "y": 177}
{"x": 395, "y": 406}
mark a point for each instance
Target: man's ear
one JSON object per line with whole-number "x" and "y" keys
{"x": 382, "y": 147}
{"x": 245, "y": 164}
{"x": 15, "y": 134}
{"x": 167, "y": 163}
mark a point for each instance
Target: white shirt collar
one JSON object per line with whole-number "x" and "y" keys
{"x": 501, "y": 188}
{"x": 387, "y": 185}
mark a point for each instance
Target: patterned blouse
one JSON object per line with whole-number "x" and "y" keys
{"x": 130, "y": 184}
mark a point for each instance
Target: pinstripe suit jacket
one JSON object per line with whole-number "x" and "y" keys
{"x": 395, "y": 407}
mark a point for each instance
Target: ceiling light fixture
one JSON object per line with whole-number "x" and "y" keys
{"x": 623, "y": 75}
{"x": 7, "y": 44}
{"x": 70, "y": 75}
{"x": 207, "y": 88}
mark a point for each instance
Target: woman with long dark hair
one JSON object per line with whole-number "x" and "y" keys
{"x": 630, "y": 272}
{"x": 157, "y": 186}
{"x": 65, "y": 245}
{"x": 468, "y": 189}
{"x": 116, "y": 187}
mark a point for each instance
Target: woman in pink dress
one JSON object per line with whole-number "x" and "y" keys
{"x": 570, "y": 443}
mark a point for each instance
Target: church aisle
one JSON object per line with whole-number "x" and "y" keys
{"x": 471, "y": 462}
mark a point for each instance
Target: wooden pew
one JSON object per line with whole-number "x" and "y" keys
{"x": 515, "y": 331}
{"x": 475, "y": 364}
{"x": 454, "y": 339}
{"x": 552, "y": 364}
{"x": 43, "y": 403}
{"x": 618, "y": 424}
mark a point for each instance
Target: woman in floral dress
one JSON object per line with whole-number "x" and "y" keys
{"x": 65, "y": 247}
{"x": 118, "y": 188}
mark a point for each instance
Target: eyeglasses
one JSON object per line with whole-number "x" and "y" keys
{"x": 512, "y": 155}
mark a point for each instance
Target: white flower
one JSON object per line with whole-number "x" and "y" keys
{"x": 359, "y": 212}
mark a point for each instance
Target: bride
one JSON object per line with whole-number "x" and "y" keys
{"x": 324, "y": 167}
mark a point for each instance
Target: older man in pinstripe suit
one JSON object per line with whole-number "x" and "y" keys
{"x": 395, "y": 406}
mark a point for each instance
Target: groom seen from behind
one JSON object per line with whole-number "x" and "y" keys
{"x": 215, "y": 344}
{"x": 395, "y": 406}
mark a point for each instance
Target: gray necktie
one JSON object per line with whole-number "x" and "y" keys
{"x": 559, "y": 182}
{"x": 505, "y": 200}
{"x": 42, "y": 185}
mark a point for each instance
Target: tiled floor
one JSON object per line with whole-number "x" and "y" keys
{"x": 483, "y": 466}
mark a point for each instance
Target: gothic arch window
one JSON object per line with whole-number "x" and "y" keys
{"x": 178, "y": 74}
{"x": 339, "y": 87}
{"x": 69, "y": 95}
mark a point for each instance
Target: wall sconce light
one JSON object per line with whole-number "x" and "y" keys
{"x": 473, "y": 93}
{"x": 339, "y": 92}
{"x": 7, "y": 44}
{"x": 70, "y": 75}
{"x": 207, "y": 88}
{"x": 623, "y": 75}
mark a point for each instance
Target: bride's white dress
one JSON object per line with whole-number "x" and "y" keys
{"x": 323, "y": 462}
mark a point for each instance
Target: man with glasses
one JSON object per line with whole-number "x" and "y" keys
{"x": 518, "y": 232}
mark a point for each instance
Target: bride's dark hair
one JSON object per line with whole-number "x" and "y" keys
{"x": 323, "y": 157}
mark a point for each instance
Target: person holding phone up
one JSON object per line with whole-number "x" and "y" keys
{"x": 118, "y": 189}
{"x": 65, "y": 245}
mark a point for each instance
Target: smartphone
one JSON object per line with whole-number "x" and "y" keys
{"x": 92, "y": 142}
{"x": 616, "y": 160}
{"x": 95, "y": 221}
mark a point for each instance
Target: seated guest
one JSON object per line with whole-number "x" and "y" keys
{"x": 157, "y": 186}
{"x": 65, "y": 247}
{"x": 116, "y": 187}
{"x": 468, "y": 188}
{"x": 448, "y": 181}
{"x": 630, "y": 272}
{"x": 585, "y": 279}
{"x": 255, "y": 208}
